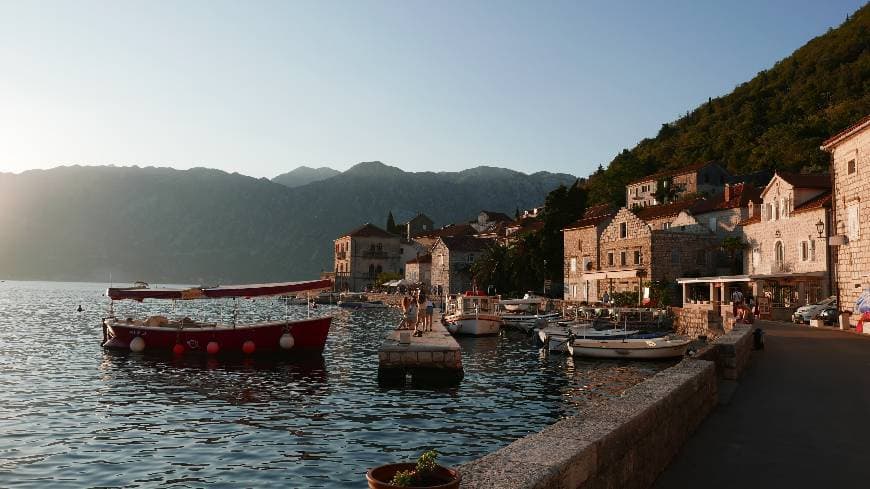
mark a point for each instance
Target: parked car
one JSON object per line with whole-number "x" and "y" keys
{"x": 829, "y": 315}
{"x": 810, "y": 311}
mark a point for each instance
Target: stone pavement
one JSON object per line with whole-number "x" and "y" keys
{"x": 799, "y": 418}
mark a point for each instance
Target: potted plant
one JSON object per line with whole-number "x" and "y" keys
{"x": 425, "y": 473}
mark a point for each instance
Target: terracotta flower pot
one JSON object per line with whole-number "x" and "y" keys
{"x": 442, "y": 478}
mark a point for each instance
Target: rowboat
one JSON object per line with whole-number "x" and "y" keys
{"x": 184, "y": 335}
{"x": 641, "y": 348}
{"x": 555, "y": 337}
{"x": 472, "y": 314}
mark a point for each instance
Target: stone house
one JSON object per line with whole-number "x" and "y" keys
{"x": 708, "y": 178}
{"x": 787, "y": 257}
{"x": 850, "y": 228}
{"x": 452, "y": 257}
{"x": 487, "y": 220}
{"x": 418, "y": 270}
{"x": 581, "y": 253}
{"x": 418, "y": 226}
{"x": 363, "y": 254}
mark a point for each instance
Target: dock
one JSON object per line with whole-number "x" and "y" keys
{"x": 434, "y": 358}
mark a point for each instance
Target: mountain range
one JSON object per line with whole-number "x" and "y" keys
{"x": 207, "y": 226}
{"x": 304, "y": 175}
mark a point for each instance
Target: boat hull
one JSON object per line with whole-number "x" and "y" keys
{"x": 309, "y": 336}
{"x": 639, "y": 349}
{"x": 473, "y": 325}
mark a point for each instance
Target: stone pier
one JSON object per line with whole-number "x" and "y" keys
{"x": 434, "y": 358}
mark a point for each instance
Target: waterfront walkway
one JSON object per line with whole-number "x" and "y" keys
{"x": 800, "y": 417}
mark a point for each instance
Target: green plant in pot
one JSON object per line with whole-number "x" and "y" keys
{"x": 424, "y": 473}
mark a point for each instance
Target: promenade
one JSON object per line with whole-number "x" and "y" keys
{"x": 799, "y": 418}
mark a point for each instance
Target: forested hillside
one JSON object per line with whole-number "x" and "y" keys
{"x": 777, "y": 120}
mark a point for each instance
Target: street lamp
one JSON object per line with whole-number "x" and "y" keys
{"x": 820, "y": 227}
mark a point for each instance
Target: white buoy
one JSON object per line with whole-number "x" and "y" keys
{"x": 137, "y": 344}
{"x": 287, "y": 341}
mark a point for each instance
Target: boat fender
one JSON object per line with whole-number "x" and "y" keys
{"x": 248, "y": 347}
{"x": 137, "y": 344}
{"x": 287, "y": 341}
{"x": 178, "y": 349}
{"x": 212, "y": 347}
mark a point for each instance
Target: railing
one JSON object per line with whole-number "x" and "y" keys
{"x": 341, "y": 255}
{"x": 374, "y": 254}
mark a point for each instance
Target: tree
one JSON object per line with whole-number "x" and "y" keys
{"x": 391, "y": 224}
{"x": 732, "y": 245}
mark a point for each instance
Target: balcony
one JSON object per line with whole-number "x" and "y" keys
{"x": 375, "y": 254}
{"x": 341, "y": 255}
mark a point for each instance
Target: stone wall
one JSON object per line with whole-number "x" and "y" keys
{"x": 625, "y": 443}
{"x": 852, "y": 189}
{"x": 694, "y": 320}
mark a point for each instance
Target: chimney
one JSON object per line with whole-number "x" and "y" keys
{"x": 727, "y": 192}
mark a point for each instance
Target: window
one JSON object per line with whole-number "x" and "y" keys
{"x": 623, "y": 230}
{"x": 371, "y": 271}
{"x": 776, "y": 210}
{"x": 701, "y": 257}
{"x": 610, "y": 258}
{"x": 666, "y": 225}
{"x": 778, "y": 253}
{"x": 573, "y": 264}
{"x": 805, "y": 251}
{"x": 470, "y": 258}
{"x": 713, "y": 224}
{"x": 637, "y": 257}
{"x": 675, "y": 256}
{"x": 441, "y": 258}
{"x": 851, "y": 166}
{"x": 622, "y": 258}
{"x": 813, "y": 250}
{"x": 379, "y": 270}
{"x": 852, "y": 223}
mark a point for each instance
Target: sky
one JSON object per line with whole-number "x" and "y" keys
{"x": 262, "y": 87}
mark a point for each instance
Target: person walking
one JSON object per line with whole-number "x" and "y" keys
{"x": 406, "y": 305}
{"x": 430, "y": 310}
{"x": 736, "y": 301}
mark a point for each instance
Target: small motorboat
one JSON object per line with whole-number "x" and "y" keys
{"x": 555, "y": 337}
{"x": 472, "y": 314}
{"x": 640, "y": 348}
{"x": 526, "y": 314}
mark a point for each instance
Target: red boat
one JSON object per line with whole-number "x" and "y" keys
{"x": 160, "y": 334}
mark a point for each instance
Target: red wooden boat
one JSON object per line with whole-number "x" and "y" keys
{"x": 157, "y": 333}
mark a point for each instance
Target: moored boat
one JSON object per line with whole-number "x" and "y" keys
{"x": 159, "y": 333}
{"x": 472, "y": 314}
{"x": 555, "y": 337}
{"x": 526, "y": 314}
{"x": 641, "y": 348}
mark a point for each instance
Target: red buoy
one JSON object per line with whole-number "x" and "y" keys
{"x": 248, "y": 347}
{"x": 178, "y": 349}
{"x": 212, "y": 347}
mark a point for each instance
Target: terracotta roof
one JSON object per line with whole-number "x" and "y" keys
{"x": 592, "y": 216}
{"x": 465, "y": 243}
{"x": 369, "y": 230}
{"x": 801, "y": 180}
{"x": 427, "y": 258}
{"x": 526, "y": 224}
{"x": 667, "y": 210}
{"x": 453, "y": 230}
{"x": 672, "y": 172}
{"x": 498, "y": 216}
{"x": 740, "y": 195}
{"x": 818, "y": 202}
{"x": 750, "y": 220}
{"x": 836, "y": 138}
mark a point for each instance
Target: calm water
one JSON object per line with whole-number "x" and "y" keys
{"x": 74, "y": 415}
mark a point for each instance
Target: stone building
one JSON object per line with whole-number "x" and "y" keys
{"x": 850, "y": 228}
{"x": 363, "y": 254}
{"x": 787, "y": 256}
{"x": 487, "y": 220}
{"x": 419, "y": 270}
{"x": 581, "y": 253}
{"x": 708, "y": 178}
{"x": 452, "y": 257}
{"x": 622, "y": 251}
{"x": 418, "y": 226}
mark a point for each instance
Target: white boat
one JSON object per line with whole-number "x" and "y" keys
{"x": 555, "y": 337}
{"x": 650, "y": 348}
{"x": 525, "y": 314}
{"x": 472, "y": 314}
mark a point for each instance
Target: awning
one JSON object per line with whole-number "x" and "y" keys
{"x": 247, "y": 290}
{"x": 789, "y": 275}
{"x": 639, "y": 272}
{"x": 719, "y": 279}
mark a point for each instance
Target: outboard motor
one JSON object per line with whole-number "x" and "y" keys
{"x": 758, "y": 339}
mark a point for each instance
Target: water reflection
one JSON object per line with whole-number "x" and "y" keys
{"x": 73, "y": 414}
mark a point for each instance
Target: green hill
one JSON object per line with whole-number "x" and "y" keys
{"x": 777, "y": 120}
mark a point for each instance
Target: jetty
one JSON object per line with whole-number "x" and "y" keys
{"x": 434, "y": 358}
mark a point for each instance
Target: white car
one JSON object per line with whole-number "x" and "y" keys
{"x": 810, "y": 311}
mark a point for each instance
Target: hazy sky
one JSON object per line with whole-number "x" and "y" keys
{"x": 262, "y": 87}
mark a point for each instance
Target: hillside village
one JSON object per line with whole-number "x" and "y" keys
{"x": 685, "y": 237}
